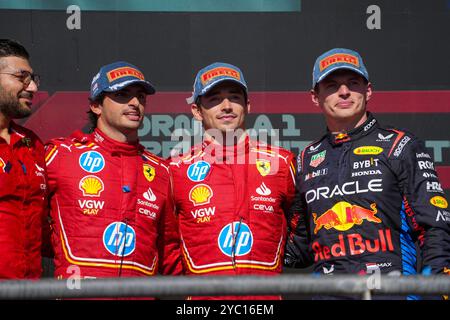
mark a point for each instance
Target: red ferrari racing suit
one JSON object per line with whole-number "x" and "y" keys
{"x": 231, "y": 204}
{"x": 111, "y": 209}
{"x": 22, "y": 203}
{"x": 364, "y": 199}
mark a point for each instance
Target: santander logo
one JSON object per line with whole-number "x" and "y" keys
{"x": 263, "y": 190}
{"x": 149, "y": 195}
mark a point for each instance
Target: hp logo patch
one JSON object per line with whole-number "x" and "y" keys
{"x": 119, "y": 239}
{"x": 242, "y": 241}
{"x": 198, "y": 171}
{"x": 92, "y": 161}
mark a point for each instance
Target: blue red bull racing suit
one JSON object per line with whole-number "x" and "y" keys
{"x": 363, "y": 200}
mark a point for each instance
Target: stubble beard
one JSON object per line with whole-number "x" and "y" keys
{"x": 11, "y": 107}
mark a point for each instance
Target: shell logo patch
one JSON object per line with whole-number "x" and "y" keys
{"x": 200, "y": 194}
{"x": 91, "y": 186}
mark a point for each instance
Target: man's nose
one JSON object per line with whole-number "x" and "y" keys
{"x": 343, "y": 90}
{"x": 226, "y": 104}
{"x": 32, "y": 87}
{"x": 134, "y": 101}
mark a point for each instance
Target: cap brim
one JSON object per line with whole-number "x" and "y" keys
{"x": 346, "y": 67}
{"x": 190, "y": 100}
{"x": 215, "y": 83}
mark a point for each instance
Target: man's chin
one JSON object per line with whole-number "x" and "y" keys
{"x": 21, "y": 114}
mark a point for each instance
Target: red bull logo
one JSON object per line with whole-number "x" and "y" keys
{"x": 354, "y": 244}
{"x": 343, "y": 216}
{"x": 2, "y": 165}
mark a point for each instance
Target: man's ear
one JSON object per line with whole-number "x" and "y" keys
{"x": 314, "y": 97}
{"x": 197, "y": 112}
{"x": 248, "y": 105}
{"x": 368, "y": 91}
{"x": 96, "y": 108}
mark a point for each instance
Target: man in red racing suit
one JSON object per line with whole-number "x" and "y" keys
{"x": 111, "y": 204}
{"x": 231, "y": 199}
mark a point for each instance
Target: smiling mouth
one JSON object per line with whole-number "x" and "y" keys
{"x": 135, "y": 116}
{"x": 28, "y": 101}
{"x": 227, "y": 117}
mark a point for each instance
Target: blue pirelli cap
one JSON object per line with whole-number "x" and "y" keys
{"x": 116, "y": 76}
{"x": 336, "y": 59}
{"x": 210, "y": 76}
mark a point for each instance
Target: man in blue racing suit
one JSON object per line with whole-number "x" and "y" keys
{"x": 365, "y": 193}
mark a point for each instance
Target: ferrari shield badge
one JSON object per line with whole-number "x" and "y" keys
{"x": 149, "y": 172}
{"x": 263, "y": 166}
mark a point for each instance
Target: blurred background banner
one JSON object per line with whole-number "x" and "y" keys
{"x": 158, "y": 5}
{"x": 404, "y": 45}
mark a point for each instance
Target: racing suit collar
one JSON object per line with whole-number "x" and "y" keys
{"x": 354, "y": 134}
{"x": 18, "y": 135}
{"x": 116, "y": 147}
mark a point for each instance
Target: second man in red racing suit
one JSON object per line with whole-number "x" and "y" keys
{"x": 231, "y": 198}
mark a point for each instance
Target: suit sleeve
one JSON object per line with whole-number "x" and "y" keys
{"x": 297, "y": 251}
{"x": 290, "y": 183}
{"x": 425, "y": 206}
{"x": 51, "y": 151}
{"x": 169, "y": 239}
